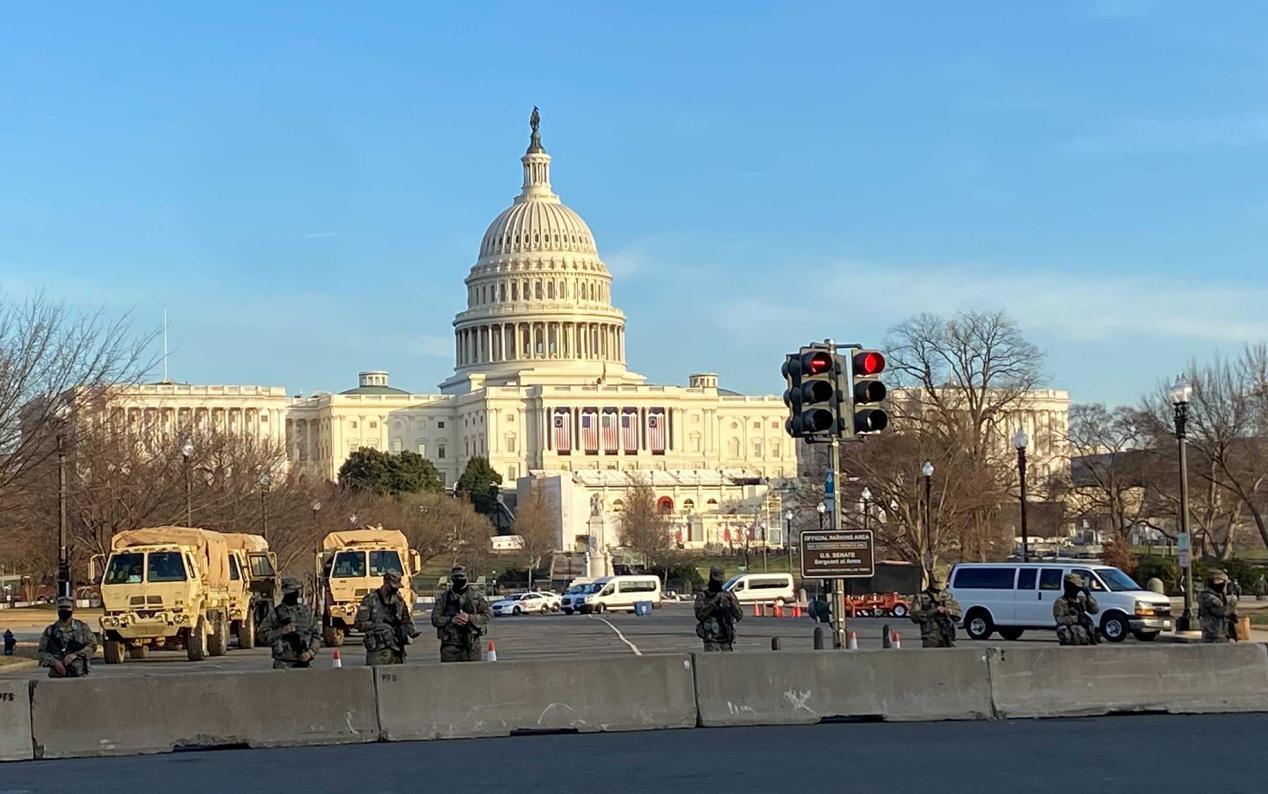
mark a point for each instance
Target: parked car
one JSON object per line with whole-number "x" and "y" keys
{"x": 1012, "y": 597}
{"x": 521, "y": 604}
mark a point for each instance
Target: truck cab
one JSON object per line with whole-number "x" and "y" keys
{"x": 254, "y": 585}
{"x": 351, "y": 565}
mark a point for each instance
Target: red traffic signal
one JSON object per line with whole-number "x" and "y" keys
{"x": 868, "y": 363}
{"x": 816, "y": 362}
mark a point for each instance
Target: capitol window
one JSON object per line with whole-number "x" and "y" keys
{"x": 440, "y": 425}
{"x": 515, "y": 290}
{"x": 440, "y": 452}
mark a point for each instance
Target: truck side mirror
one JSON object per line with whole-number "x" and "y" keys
{"x": 96, "y": 567}
{"x": 416, "y": 561}
{"x": 317, "y": 564}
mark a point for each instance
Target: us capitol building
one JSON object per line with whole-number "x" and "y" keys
{"x": 542, "y": 389}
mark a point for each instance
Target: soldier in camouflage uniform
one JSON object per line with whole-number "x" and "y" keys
{"x": 1217, "y": 609}
{"x": 717, "y": 612}
{"x": 67, "y": 645}
{"x": 291, "y": 630}
{"x": 460, "y": 617}
{"x": 937, "y": 613}
{"x": 387, "y": 622}
{"x": 1073, "y": 611}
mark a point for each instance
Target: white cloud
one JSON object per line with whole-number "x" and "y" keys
{"x": 431, "y": 346}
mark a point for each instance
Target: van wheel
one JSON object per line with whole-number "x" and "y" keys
{"x": 567, "y": 611}
{"x": 112, "y": 651}
{"x": 1145, "y": 636}
{"x": 1115, "y": 628}
{"x": 978, "y": 624}
{"x": 196, "y": 641}
{"x": 899, "y": 611}
{"x": 138, "y": 651}
{"x": 332, "y": 636}
{"x": 1010, "y": 632}
{"x": 599, "y": 609}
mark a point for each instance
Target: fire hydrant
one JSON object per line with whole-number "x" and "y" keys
{"x": 10, "y": 642}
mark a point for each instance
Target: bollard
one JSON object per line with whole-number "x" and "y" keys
{"x": 774, "y": 643}
{"x": 9, "y": 642}
{"x": 854, "y": 642}
{"x": 885, "y": 636}
{"x": 818, "y": 638}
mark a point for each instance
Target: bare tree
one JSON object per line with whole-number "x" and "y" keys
{"x": 536, "y": 527}
{"x": 642, "y": 527}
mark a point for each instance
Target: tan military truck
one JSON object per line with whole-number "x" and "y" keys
{"x": 350, "y": 564}
{"x": 254, "y": 585}
{"x": 165, "y": 586}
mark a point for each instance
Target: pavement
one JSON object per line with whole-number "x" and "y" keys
{"x": 1141, "y": 753}
{"x": 670, "y": 629}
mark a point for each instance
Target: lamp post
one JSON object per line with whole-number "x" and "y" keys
{"x": 1020, "y": 440}
{"x": 316, "y": 506}
{"x": 265, "y": 481}
{"x": 866, "y": 498}
{"x": 352, "y": 519}
{"x": 788, "y": 517}
{"x": 1181, "y": 393}
{"x": 187, "y": 452}
{"x": 927, "y": 471}
{"x": 63, "y": 553}
{"x": 823, "y": 510}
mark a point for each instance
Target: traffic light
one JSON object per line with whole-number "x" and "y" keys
{"x": 866, "y": 391}
{"x": 814, "y": 394}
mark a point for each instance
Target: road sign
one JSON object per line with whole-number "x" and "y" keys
{"x": 837, "y": 553}
{"x": 1184, "y": 558}
{"x": 1182, "y": 542}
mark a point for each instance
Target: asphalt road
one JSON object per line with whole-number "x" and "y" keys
{"x": 1157, "y": 754}
{"x": 670, "y": 629}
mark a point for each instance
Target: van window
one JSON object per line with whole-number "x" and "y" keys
{"x": 1117, "y": 581}
{"x": 609, "y": 590}
{"x": 1088, "y": 579}
{"x": 767, "y": 584}
{"x": 125, "y": 569}
{"x": 1050, "y": 579}
{"x": 234, "y": 576}
{"x": 985, "y": 578}
{"x": 638, "y": 586}
{"x": 1026, "y": 578}
{"x": 165, "y": 566}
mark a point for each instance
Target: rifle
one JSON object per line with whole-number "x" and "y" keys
{"x": 1085, "y": 620}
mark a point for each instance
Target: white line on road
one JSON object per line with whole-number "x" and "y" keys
{"x": 633, "y": 647}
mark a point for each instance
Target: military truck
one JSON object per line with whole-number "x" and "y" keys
{"x": 165, "y": 586}
{"x": 350, "y": 564}
{"x": 254, "y": 585}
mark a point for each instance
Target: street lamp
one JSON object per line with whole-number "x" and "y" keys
{"x": 927, "y": 471}
{"x": 788, "y": 517}
{"x": 866, "y": 496}
{"x": 265, "y": 482}
{"x": 187, "y": 452}
{"x": 1020, "y": 440}
{"x": 1181, "y": 393}
{"x": 316, "y": 506}
{"x": 352, "y": 519}
{"x": 62, "y": 414}
{"x": 823, "y": 509}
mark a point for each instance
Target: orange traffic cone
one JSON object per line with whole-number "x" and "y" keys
{"x": 757, "y": 613}
{"x": 853, "y": 642}
{"x": 896, "y": 642}
{"x": 796, "y": 610}
{"x": 335, "y": 659}
{"x": 493, "y": 652}
{"x": 779, "y": 611}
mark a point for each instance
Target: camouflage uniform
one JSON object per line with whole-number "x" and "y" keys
{"x": 63, "y": 638}
{"x": 717, "y": 612}
{"x": 460, "y": 643}
{"x": 1072, "y": 612}
{"x": 1217, "y": 609}
{"x": 936, "y": 631}
{"x": 387, "y": 622}
{"x": 303, "y": 638}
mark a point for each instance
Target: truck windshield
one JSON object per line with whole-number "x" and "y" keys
{"x": 349, "y": 564}
{"x": 383, "y": 561}
{"x": 124, "y": 569}
{"x": 165, "y": 566}
{"x": 261, "y": 566}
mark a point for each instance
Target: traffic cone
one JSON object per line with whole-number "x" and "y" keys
{"x": 796, "y": 610}
{"x": 779, "y": 611}
{"x": 853, "y": 643}
{"x": 756, "y": 612}
{"x": 335, "y": 659}
{"x": 493, "y": 652}
{"x": 897, "y": 642}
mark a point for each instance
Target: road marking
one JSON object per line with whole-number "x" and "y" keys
{"x": 633, "y": 647}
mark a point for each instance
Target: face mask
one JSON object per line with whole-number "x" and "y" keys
{"x": 290, "y": 599}
{"x": 64, "y": 614}
{"x": 715, "y": 586}
{"x": 1218, "y": 586}
{"x": 459, "y": 584}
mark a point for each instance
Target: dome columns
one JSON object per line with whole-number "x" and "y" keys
{"x": 531, "y": 340}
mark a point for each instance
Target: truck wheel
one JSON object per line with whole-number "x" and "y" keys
{"x": 246, "y": 633}
{"x": 196, "y": 641}
{"x": 112, "y": 651}
{"x": 218, "y": 642}
{"x": 138, "y": 651}
{"x": 332, "y": 636}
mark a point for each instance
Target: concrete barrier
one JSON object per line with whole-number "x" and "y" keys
{"x": 578, "y": 694}
{"x": 806, "y": 687}
{"x": 155, "y": 714}
{"x": 1066, "y": 682}
{"x": 15, "y": 721}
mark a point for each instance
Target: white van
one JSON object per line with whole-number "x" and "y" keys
{"x": 620, "y": 593}
{"x": 762, "y": 588}
{"x": 1010, "y": 597}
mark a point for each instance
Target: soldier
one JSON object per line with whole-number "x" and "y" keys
{"x": 717, "y": 612}
{"x": 387, "y": 622}
{"x": 291, "y": 630}
{"x": 460, "y": 617}
{"x": 937, "y": 613}
{"x": 1217, "y": 609}
{"x": 67, "y": 645}
{"x": 1073, "y": 612}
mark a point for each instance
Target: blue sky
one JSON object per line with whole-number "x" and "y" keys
{"x": 304, "y": 185}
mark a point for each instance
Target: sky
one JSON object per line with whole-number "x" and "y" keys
{"x": 304, "y": 185}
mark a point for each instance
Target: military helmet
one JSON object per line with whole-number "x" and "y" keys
{"x": 716, "y": 574}
{"x": 1217, "y": 575}
{"x": 291, "y": 585}
{"x": 458, "y": 570}
{"x": 392, "y": 578}
{"x": 65, "y": 603}
{"x": 1074, "y": 579}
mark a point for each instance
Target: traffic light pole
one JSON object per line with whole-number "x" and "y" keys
{"x": 838, "y": 584}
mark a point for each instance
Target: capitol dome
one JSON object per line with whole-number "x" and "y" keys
{"x": 539, "y": 297}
